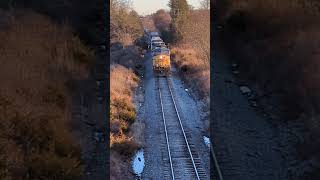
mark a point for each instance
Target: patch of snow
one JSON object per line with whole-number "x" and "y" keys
{"x": 245, "y": 90}
{"x": 207, "y": 141}
{"x": 186, "y": 90}
{"x": 138, "y": 163}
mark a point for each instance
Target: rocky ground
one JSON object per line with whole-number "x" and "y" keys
{"x": 249, "y": 143}
{"x": 90, "y": 114}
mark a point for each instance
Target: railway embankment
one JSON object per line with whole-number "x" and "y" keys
{"x": 126, "y": 69}
{"x": 278, "y": 61}
{"x": 125, "y": 129}
{"x": 196, "y": 77}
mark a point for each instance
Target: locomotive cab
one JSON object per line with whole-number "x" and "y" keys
{"x": 161, "y": 62}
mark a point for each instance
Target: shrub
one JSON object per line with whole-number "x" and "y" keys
{"x": 125, "y": 24}
{"x": 125, "y": 148}
{"x": 122, "y": 110}
{"x": 38, "y": 59}
{"x": 196, "y": 73}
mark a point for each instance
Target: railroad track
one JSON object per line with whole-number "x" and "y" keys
{"x": 183, "y": 160}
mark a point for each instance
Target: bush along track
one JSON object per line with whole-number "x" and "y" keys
{"x": 125, "y": 70}
{"x": 40, "y": 58}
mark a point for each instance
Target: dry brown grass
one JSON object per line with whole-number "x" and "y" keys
{"x": 125, "y": 60}
{"x": 122, "y": 115}
{"x": 192, "y": 52}
{"x": 37, "y": 59}
{"x": 122, "y": 82}
{"x": 194, "y": 70}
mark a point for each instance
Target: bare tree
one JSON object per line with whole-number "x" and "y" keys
{"x": 205, "y": 4}
{"x": 125, "y": 25}
{"x": 162, "y": 20}
{"x": 196, "y": 32}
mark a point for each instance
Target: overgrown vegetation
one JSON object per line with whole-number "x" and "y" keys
{"x": 122, "y": 110}
{"x": 195, "y": 73}
{"x": 125, "y": 26}
{"x": 276, "y": 44}
{"x": 126, "y": 32}
{"x": 84, "y": 16}
{"x": 189, "y": 31}
{"x": 38, "y": 59}
{"x": 179, "y": 11}
{"x": 162, "y": 21}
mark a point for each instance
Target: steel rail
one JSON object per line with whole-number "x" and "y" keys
{"x": 166, "y": 133}
{"x": 184, "y": 134}
{"x": 216, "y": 162}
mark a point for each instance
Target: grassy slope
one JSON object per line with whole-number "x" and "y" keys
{"x": 38, "y": 59}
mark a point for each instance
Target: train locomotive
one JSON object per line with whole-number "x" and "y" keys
{"x": 160, "y": 55}
{"x": 161, "y": 61}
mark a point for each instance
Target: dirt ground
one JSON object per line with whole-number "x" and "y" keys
{"x": 248, "y": 144}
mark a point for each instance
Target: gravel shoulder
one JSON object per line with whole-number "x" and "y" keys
{"x": 248, "y": 145}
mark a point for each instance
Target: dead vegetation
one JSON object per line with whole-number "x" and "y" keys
{"x": 125, "y": 24}
{"x": 122, "y": 110}
{"x": 37, "y": 60}
{"x": 188, "y": 34}
{"x": 162, "y": 22}
{"x": 192, "y": 52}
{"x": 123, "y": 81}
{"x": 195, "y": 73}
{"x": 276, "y": 44}
{"x": 126, "y": 65}
{"x": 196, "y": 34}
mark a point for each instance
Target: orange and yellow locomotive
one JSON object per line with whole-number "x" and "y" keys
{"x": 161, "y": 61}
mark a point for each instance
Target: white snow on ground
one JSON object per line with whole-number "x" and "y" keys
{"x": 245, "y": 90}
{"x": 138, "y": 162}
{"x": 207, "y": 141}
